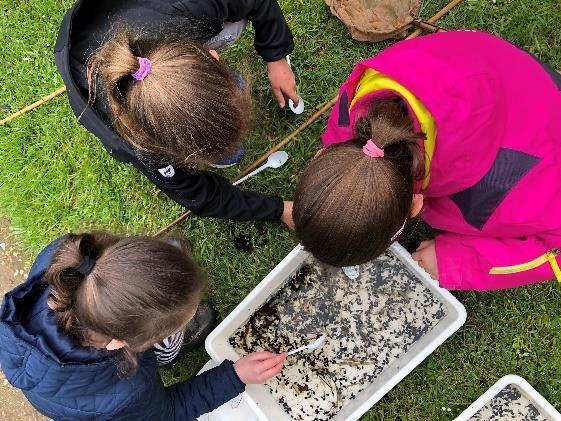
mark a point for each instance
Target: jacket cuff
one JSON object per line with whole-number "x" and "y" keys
{"x": 233, "y": 376}
{"x": 449, "y": 263}
{"x": 270, "y": 56}
{"x": 278, "y": 207}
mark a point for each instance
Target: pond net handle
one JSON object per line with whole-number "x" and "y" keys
{"x": 436, "y": 17}
{"x": 423, "y": 24}
{"x": 33, "y": 106}
{"x": 307, "y": 123}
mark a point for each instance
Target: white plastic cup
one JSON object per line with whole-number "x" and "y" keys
{"x": 299, "y": 109}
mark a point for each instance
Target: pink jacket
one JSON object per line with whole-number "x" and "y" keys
{"x": 495, "y": 176}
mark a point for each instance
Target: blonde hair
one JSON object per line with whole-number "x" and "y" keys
{"x": 189, "y": 109}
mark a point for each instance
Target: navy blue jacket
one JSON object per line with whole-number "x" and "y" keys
{"x": 66, "y": 381}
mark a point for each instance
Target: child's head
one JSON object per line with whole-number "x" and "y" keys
{"x": 134, "y": 290}
{"x": 189, "y": 108}
{"x": 349, "y": 206}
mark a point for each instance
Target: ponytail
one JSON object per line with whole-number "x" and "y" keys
{"x": 350, "y": 206}
{"x": 135, "y": 289}
{"x": 390, "y": 127}
{"x": 66, "y": 275}
{"x": 189, "y": 108}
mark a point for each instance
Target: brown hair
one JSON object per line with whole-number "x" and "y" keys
{"x": 348, "y": 205}
{"x": 139, "y": 291}
{"x": 189, "y": 109}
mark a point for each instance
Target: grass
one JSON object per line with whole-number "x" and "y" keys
{"x": 55, "y": 178}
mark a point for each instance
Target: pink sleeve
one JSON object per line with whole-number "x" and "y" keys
{"x": 464, "y": 261}
{"x": 334, "y": 132}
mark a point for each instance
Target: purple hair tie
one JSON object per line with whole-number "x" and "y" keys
{"x": 144, "y": 69}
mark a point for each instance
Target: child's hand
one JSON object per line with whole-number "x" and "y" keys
{"x": 287, "y": 215}
{"x": 426, "y": 257}
{"x": 283, "y": 82}
{"x": 259, "y": 367}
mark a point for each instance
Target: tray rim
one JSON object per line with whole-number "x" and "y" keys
{"x": 510, "y": 379}
{"x": 406, "y": 258}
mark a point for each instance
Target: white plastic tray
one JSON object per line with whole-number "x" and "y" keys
{"x": 542, "y": 405}
{"x": 260, "y": 399}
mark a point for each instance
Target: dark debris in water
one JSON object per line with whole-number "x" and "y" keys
{"x": 370, "y": 322}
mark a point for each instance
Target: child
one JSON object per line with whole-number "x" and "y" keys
{"x": 76, "y": 337}
{"x": 461, "y": 125}
{"x": 141, "y": 78}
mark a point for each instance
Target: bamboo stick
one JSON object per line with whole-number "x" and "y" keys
{"x": 327, "y": 106}
{"x": 36, "y": 104}
{"x": 436, "y": 17}
{"x": 428, "y": 26}
{"x": 304, "y": 125}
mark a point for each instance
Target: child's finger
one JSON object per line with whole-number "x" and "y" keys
{"x": 271, "y": 362}
{"x": 291, "y": 93}
{"x": 422, "y": 264}
{"x": 261, "y": 356}
{"x": 273, "y": 371}
{"x": 423, "y": 245}
{"x": 280, "y": 97}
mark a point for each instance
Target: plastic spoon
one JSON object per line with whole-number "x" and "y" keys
{"x": 298, "y": 109}
{"x": 275, "y": 160}
{"x": 314, "y": 345}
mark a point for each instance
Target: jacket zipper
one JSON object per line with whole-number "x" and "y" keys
{"x": 549, "y": 256}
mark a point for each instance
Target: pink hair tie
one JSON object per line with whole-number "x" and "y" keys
{"x": 144, "y": 68}
{"x": 372, "y": 150}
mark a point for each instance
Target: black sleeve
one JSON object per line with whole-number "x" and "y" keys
{"x": 273, "y": 39}
{"x": 209, "y": 194}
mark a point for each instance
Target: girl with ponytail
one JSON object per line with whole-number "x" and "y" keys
{"x": 459, "y": 128}
{"x": 146, "y": 79}
{"x": 80, "y": 336}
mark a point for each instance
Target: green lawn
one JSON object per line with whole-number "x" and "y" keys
{"x": 55, "y": 178}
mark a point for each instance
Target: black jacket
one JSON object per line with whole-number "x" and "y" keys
{"x": 82, "y": 31}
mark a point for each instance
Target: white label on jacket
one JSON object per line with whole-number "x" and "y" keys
{"x": 167, "y": 172}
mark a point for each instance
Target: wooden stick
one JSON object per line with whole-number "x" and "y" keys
{"x": 428, "y": 26}
{"x": 275, "y": 148}
{"x": 436, "y": 17}
{"x": 34, "y": 105}
{"x": 326, "y": 107}
{"x": 177, "y": 220}
{"x": 307, "y": 123}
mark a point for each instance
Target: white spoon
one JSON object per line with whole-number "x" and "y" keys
{"x": 299, "y": 109}
{"x": 275, "y": 160}
{"x": 314, "y": 345}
